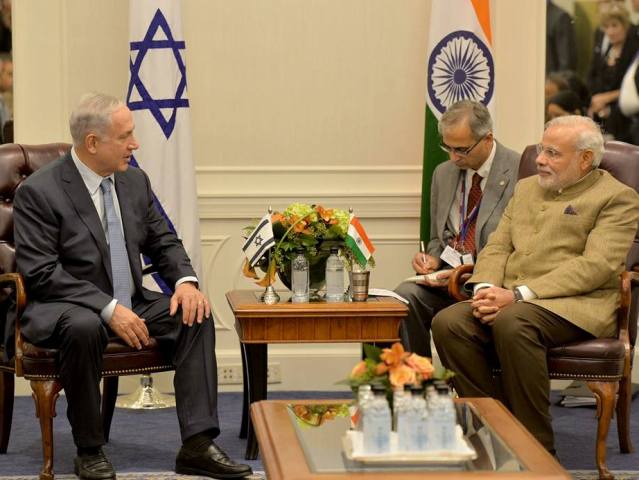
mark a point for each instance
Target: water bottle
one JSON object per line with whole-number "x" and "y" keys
{"x": 447, "y": 419}
{"x": 377, "y": 423}
{"x": 434, "y": 441}
{"x": 403, "y": 419}
{"x": 364, "y": 396}
{"x": 334, "y": 277}
{"x": 421, "y": 436}
{"x": 299, "y": 270}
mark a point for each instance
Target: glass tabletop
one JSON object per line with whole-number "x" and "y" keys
{"x": 320, "y": 429}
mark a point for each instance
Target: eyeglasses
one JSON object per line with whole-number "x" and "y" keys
{"x": 460, "y": 151}
{"x": 548, "y": 152}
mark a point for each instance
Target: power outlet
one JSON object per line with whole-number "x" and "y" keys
{"x": 274, "y": 373}
{"x": 232, "y": 374}
{"x": 229, "y": 374}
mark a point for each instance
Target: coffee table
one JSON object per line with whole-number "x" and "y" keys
{"x": 294, "y": 449}
{"x": 257, "y": 325}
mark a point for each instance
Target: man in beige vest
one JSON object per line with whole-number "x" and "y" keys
{"x": 549, "y": 275}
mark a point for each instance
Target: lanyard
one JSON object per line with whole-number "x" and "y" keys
{"x": 470, "y": 217}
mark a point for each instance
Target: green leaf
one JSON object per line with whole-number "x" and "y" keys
{"x": 372, "y": 352}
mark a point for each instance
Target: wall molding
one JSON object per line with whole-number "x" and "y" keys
{"x": 241, "y": 205}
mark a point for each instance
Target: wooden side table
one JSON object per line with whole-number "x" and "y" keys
{"x": 257, "y": 325}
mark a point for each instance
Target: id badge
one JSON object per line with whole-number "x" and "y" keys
{"x": 467, "y": 259}
{"x": 451, "y": 257}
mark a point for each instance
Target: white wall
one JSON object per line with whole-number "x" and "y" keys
{"x": 315, "y": 100}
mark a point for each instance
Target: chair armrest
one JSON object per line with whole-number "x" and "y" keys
{"x": 628, "y": 280}
{"x": 456, "y": 282}
{"x": 15, "y": 282}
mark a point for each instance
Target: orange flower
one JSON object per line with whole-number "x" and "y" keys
{"x": 421, "y": 365}
{"x": 394, "y": 356}
{"x": 301, "y": 226}
{"x": 326, "y": 214}
{"x": 381, "y": 368}
{"x": 401, "y": 375}
{"x": 359, "y": 369}
{"x": 278, "y": 217}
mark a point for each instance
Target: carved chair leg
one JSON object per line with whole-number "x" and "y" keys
{"x": 605, "y": 394}
{"x": 623, "y": 415}
{"x": 6, "y": 408}
{"x": 109, "y": 396}
{"x": 45, "y": 394}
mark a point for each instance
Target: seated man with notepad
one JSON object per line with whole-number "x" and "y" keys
{"x": 468, "y": 195}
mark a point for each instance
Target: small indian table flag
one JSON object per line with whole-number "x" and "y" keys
{"x": 358, "y": 241}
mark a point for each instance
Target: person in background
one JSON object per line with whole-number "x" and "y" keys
{"x": 561, "y": 46}
{"x": 5, "y": 26}
{"x": 608, "y": 68}
{"x": 567, "y": 80}
{"x": 468, "y": 195}
{"x": 6, "y": 82}
{"x": 563, "y": 103}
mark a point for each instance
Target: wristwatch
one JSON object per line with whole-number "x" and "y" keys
{"x": 518, "y": 296}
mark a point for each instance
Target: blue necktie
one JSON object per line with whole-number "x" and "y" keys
{"x": 119, "y": 257}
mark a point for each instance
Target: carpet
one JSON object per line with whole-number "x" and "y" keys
{"x": 577, "y": 475}
{"x": 140, "y": 476}
{"x": 148, "y": 441}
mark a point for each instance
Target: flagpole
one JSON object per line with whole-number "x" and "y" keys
{"x": 269, "y": 296}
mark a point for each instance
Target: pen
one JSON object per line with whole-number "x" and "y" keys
{"x": 423, "y": 250}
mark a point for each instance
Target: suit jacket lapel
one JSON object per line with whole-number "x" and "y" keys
{"x": 497, "y": 181}
{"x": 447, "y": 191}
{"x": 75, "y": 188}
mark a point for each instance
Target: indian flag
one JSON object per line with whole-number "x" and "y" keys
{"x": 460, "y": 66}
{"x": 358, "y": 242}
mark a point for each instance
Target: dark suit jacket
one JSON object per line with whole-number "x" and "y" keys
{"x": 497, "y": 192}
{"x": 61, "y": 248}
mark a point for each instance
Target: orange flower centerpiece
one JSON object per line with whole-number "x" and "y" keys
{"x": 313, "y": 228}
{"x": 393, "y": 368}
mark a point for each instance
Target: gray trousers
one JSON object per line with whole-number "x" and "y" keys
{"x": 423, "y": 303}
{"x": 518, "y": 341}
{"x": 82, "y": 337}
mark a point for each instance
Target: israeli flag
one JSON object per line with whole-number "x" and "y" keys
{"x": 157, "y": 97}
{"x": 260, "y": 240}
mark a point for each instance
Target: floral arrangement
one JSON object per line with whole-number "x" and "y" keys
{"x": 316, "y": 415}
{"x": 393, "y": 368}
{"x": 312, "y": 227}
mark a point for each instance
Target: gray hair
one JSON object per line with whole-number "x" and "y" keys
{"x": 478, "y": 116}
{"x": 589, "y": 135}
{"x": 92, "y": 115}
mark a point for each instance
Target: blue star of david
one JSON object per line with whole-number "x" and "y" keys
{"x": 258, "y": 240}
{"x": 152, "y": 104}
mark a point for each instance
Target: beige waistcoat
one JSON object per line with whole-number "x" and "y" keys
{"x": 568, "y": 247}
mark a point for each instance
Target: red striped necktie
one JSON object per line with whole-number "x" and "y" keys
{"x": 474, "y": 196}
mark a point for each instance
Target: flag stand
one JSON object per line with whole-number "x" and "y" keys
{"x": 146, "y": 397}
{"x": 269, "y": 296}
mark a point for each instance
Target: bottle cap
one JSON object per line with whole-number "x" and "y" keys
{"x": 416, "y": 388}
{"x": 334, "y": 250}
{"x": 299, "y": 249}
{"x": 378, "y": 388}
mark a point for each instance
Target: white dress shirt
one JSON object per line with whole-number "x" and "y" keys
{"x": 454, "y": 219}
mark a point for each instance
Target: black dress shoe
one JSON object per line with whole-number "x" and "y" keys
{"x": 93, "y": 466}
{"x": 209, "y": 460}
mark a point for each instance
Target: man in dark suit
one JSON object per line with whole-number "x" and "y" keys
{"x": 81, "y": 224}
{"x": 479, "y": 169}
